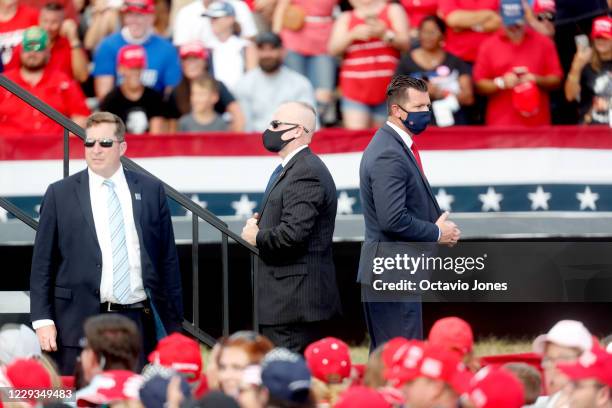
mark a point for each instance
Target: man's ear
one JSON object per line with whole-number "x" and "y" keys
{"x": 122, "y": 148}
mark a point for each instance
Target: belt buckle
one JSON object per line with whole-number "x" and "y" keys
{"x": 109, "y": 308}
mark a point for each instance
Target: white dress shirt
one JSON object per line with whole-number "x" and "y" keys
{"x": 408, "y": 141}
{"x": 292, "y": 154}
{"x": 98, "y": 194}
{"x": 403, "y": 135}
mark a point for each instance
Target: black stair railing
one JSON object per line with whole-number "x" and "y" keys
{"x": 197, "y": 213}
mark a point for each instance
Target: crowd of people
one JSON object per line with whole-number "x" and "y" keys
{"x": 225, "y": 65}
{"x": 573, "y": 369}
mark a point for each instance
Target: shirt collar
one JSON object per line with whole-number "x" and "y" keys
{"x": 402, "y": 133}
{"x": 97, "y": 180}
{"x": 292, "y": 154}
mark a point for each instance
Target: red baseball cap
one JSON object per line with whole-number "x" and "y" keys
{"x": 180, "y": 353}
{"x": 595, "y": 363}
{"x": 544, "y": 6}
{"x": 495, "y": 387}
{"x": 132, "y": 56}
{"x": 109, "y": 387}
{"x": 361, "y": 397}
{"x": 329, "y": 360}
{"x": 139, "y": 6}
{"x": 28, "y": 373}
{"x": 526, "y": 98}
{"x": 602, "y": 27}
{"x": 401, "y": 359}
{"x": 452, "y": 333}
{"x": 193, "y": 49}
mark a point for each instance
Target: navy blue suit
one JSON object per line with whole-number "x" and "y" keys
{"x": 398, "y": 206}
{"x": 67, "y": 260}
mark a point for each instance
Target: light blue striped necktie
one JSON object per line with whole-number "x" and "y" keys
{"x": 121, "y": 266}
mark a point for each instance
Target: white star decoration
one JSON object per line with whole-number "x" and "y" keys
{"x": 345, "y": 203}
{"x": 444, "y": 200}
{"x": 244, "y": 207}
{"x": 587, "y": 199}
{"x": 491, "y": 200}
{"x": 3, "y": 215}
{"x": 196, "y": 199}
{"x": 539, "y": 199}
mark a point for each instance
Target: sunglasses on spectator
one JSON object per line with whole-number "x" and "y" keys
{"x": 546, "y": 16}
{"x": 102, "y": 142}
{"x": 276, "y": 123}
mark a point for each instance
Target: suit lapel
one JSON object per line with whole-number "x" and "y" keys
{"x": 136, "y": 197}
{"x": 82, "y": 192}
{"x": 279, "y": 178}
{"x": 410, "y": 156}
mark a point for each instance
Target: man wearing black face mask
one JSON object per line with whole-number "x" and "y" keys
{"x": 398, "y": 203}
{"x": 297, "y": 280}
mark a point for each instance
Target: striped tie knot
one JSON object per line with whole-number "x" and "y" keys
{"x": 109, "y": 183}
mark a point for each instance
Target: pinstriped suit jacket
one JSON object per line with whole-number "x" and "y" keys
{"x": 297, "y": 278}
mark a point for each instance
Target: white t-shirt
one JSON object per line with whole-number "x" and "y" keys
{"x": 189, "y": 24}
{"x": 228, "y": 60}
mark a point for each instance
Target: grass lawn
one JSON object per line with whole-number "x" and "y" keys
{"x": 484, "y": 347}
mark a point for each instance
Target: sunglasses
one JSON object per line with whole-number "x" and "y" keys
{"x": 546, "y": 17}
{"x": 276, "y": 123}
{"x": 102, "y": 142}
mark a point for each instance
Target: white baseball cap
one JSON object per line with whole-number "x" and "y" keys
{"x": 18, "y": 341}
{"x": 566, "y": 333}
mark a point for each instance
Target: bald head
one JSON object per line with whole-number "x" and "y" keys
{"x": 300, "y": 113}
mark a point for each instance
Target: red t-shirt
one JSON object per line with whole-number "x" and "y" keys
{"x": 498, "y": 56}
{"x": 368, "y": 66}
{"x": 60, "y": 59}
{"x": 465, "y": 44}
{"x": 54, "y": 88}
{"x": 11, "y": 31}
{"x": 417, "y": 10}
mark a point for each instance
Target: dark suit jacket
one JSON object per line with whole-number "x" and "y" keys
{"x": 398, "y": 204}
{"x": 67, "y": 261}
{"x": 297, "y": 279}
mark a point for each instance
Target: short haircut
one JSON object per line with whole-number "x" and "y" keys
{"x": 107, "y": 117}
{"x": 308, "y": 107}
{"x": 116, "y": 338}
{"x": 396, "y": 91}
{"x": 53, "y": 6}
{"x": 206, "y": 82}
{"x": 529, "y": 377}
{"x": 437, "y": 21}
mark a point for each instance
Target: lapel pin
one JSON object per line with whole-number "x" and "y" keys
{"x": 137, "y": 196}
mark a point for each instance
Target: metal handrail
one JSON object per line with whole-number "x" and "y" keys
{"x": 75, "y": 129}
{"x": 196, "y": 210}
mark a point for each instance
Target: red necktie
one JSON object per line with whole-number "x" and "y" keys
{"x": 417, "y": 157}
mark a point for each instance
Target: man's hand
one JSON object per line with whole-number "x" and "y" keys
{"x": 250, "y": 230}
{"x": 69, "y": 30}
{"x": 449, "y": 233}
{"x": 47, "y": 337}
{"x": 511, "y": 80}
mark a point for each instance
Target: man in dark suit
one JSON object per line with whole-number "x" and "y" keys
{"x": 398, "y": 204}
{"x": 104, "y": 244}
{"x": 297, "y": 281}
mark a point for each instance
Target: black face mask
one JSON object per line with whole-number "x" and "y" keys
{"x": 272, "y": 139}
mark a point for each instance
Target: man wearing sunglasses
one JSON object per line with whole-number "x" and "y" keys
{"x": 104, "y": 245}
{"x": 293, "y": 232}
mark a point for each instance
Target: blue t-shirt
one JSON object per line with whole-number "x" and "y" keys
{"x": 163, "y": 66}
